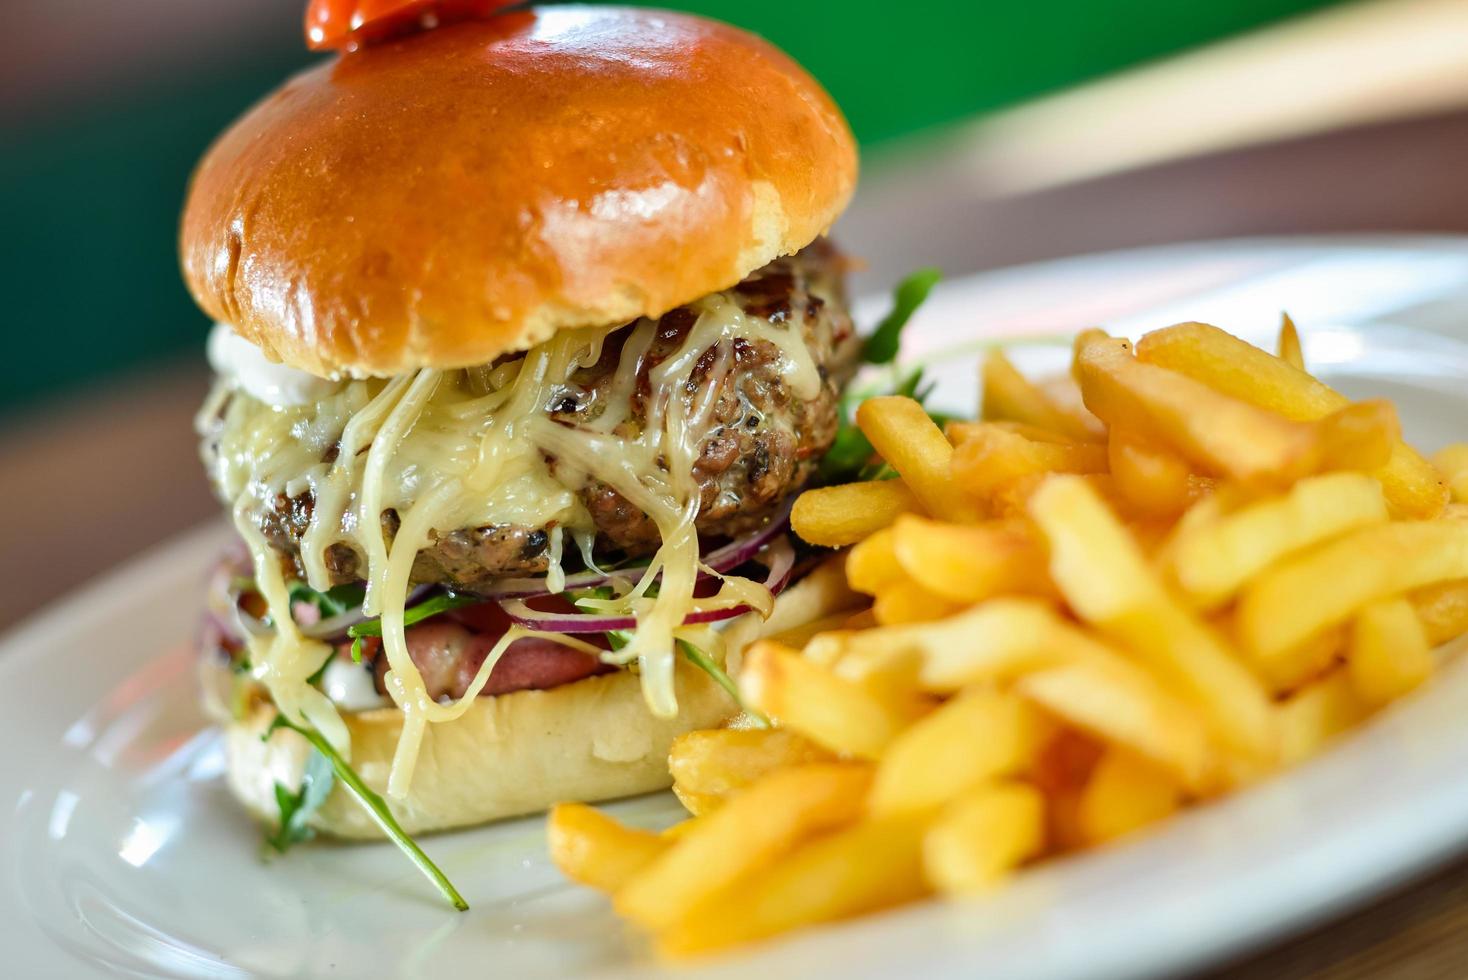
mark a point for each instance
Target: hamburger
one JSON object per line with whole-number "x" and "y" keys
{"x": 527, "y": 332}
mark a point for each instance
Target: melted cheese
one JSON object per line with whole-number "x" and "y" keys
{"x": 452, "y": 449}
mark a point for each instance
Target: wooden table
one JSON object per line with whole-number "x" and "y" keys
{"x": 95, "y": 479}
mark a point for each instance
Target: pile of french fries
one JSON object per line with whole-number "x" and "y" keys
{"x": 1123, "y": 592}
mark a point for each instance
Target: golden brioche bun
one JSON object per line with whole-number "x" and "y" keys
{"x": 507, "y": 756}
{"x": 448, "y": 197}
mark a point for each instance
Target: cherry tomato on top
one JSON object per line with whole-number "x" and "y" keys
{"x": 351, "y": 23}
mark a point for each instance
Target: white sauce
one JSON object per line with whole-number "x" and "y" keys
{"x": 350, "y": 686}
{"x": 277, "y": 385}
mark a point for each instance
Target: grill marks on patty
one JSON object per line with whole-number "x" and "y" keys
{"x": 760, "y": 443}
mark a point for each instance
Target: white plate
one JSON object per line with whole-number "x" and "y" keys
{"x": 121, "y": 853}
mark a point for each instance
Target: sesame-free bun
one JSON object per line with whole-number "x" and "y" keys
{"x": 450, "y": 196}
{"x": 507, "y": 756}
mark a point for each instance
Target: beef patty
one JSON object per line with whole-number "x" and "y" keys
{"x": 760, "y": 442}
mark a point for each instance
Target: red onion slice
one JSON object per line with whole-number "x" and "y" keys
{"x": 781, "y": 561}
{"x": 731, "y": 555}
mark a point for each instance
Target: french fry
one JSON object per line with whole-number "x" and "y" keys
{"x": 592, "y": 848}
{"x": 1153, "y": 481}
{"x": 1316, "y": 714}
{"x": 955, "y": 431}
{"x": 829, "y": 710}
{"x": 1120, "y": 704}
{"x": 869, "y": 866}
{"x": 696, "y": 803}
{"x": 1220, "y": 434}
{"x": 679, "y": 830}
{"x": 975, "y": 737}
{"x": 988, "y": 458}
{"x": 872, "y": 565}
{"x": 1060, "y": 773}
{"x": 749, "y": 831}
{"x": 799, "y": 636}
{"x": 1065, "y": 395}
{"x": 1324, "y": 587}
{"x": 1229, "y": 365}
{"x": 716, "y": 763}
{"x": 1009, "y": 396}
{"x": 996, "y": 640}
{"x": 982, "y": 836}
{"x": 1389, "y": 655}
{"x": 1289, "y": 347}
{"x": 1211, "y": 563}
{"x": 1308, "y": 660}
{"x": 1443, "y": 610}
{"x": 835, "y": 517}
{"x": 1452, "y": 463}
{"x": 901, "y": 431}
{"x": 1108, "y": 583}
{"x": 966, "y": 563}
{"x": 909, "y": 602}
{"x": 1125, "y": 793}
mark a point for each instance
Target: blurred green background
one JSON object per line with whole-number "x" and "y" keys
{"x": 91, "y": 179}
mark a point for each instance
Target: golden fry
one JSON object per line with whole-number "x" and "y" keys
{"x": 807, "y": 698}
{"x": 835, "y": 517}
{"x": 869, "y": 866}
{"x": 982, "y": 836}
{"x": 901, "y": 431}
{"x": 1290, "y": 350}
{"x": 1443, "y": 610}
{"x": 1220, "y": 434}
{"x": 972, "y": 738}
{"x": 1304, "y": 662}
{"x": 1292, "y": 601}
{"x": 1108, "y": 583}
{"x": 1452, "y": 463}
{"x": 720, "y": 761}
{"x": 909, "y": 602}
{"x": 996, "y": 640}
{"x": 593, "y": 849}
{"x": 1211, "y": 563}
{"x": 989, "y": 458}
{"x": 1009, "y": 396}
{"x": 1065, "y": 395}
{"x": 1229, "y": 365}
{"x": 1317, "y": 714}
{"x": 1153, "y": 481}
{"x": 697, "y": 804}
{"x": 751, "y": 830}
{"x": 1125, "y": 793}
{"x": 872, "y": 565}
{"x": 968, "y": 563}
{"x": 1389, "y": 655}
{"x": 1121, "y": 704}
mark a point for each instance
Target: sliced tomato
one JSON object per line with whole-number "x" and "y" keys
{"x": 349, "y": 24}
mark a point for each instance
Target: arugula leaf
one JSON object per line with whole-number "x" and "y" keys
{"x": 721, "y": 677}
{"x": 424, "y": 610}
{"x": 332, "y": 602}
{"x": 315, "y": 678}
{"x": 850, "y": 452}
{"x": 882, "y": 346}
{"x": 296, "y": 807}
{"x": 374, "y": 805}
